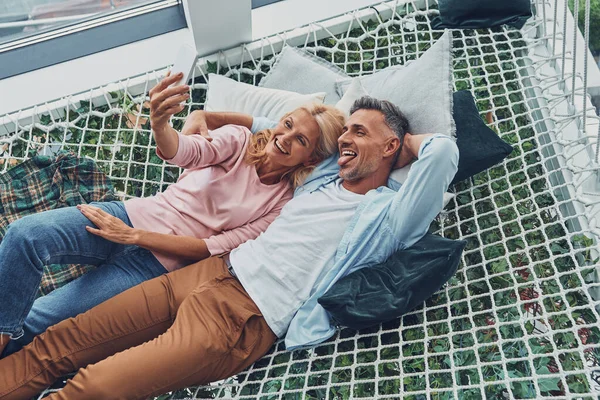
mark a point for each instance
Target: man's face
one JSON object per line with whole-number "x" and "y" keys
{"x": 362, "y": 144}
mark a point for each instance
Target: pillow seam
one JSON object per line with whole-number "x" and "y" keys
{"x": 329, "y": 65}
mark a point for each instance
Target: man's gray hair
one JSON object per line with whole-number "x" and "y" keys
{"x": 394, "y": 118}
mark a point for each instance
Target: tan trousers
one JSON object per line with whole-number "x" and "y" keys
{"x": 192, "y": 326}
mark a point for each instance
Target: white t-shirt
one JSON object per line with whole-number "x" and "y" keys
{"x": 280, "y": 267}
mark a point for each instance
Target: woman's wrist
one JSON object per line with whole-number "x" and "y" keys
{"x": 136, "y": 237}
{"x": 160, "y": 129}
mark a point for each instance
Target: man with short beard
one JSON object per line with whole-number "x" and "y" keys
{"x": 348, "y": 215}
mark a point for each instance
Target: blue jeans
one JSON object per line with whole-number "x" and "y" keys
{"x": 59, "y": 237}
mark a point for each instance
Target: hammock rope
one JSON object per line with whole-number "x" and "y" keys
{"x": 520, "y": 317}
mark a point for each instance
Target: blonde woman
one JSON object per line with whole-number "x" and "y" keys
{"x": 233, "y": 187}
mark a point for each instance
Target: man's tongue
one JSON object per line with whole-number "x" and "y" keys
{"x": 343, "y": 160}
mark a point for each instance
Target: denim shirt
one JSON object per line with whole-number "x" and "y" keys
{"x": 388, "y": 219}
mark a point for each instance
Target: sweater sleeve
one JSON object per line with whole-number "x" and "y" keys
{"x": 228, "y": 240}
{"x": 195, "y": 151}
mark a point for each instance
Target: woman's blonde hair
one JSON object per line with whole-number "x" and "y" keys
{"x": 330, "y": 121}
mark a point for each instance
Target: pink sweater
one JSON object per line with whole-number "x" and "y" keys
{"x": 218, "y": 197}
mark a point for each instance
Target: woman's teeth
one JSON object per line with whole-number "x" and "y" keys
{"x": 281, "y": 149}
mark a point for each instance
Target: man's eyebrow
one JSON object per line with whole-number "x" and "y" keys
{"x": 359, "y": 126}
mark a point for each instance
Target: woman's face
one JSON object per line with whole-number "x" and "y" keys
{"x": 294, "y": 140}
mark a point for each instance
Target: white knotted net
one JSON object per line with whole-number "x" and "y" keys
{"x": 518, "y": 320}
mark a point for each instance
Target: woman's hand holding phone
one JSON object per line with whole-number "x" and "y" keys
{"x": 166, "y": 100}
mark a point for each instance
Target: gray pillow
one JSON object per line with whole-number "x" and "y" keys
{"x": 422, "y": 89}
{"x": 298, "y": 71}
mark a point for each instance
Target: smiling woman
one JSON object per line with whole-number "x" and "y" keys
{"x": 234, "y": 185}
{"x": 300, "y": 139}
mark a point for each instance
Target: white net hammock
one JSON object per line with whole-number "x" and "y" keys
{"x": 518, "y": 320}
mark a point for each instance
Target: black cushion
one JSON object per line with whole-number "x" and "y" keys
{"x": 475, "y": 14}
{"x": 373, "y": 295}
{"x": 479, "y": 147}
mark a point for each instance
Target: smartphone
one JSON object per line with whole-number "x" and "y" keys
{"x": 184, "y": 62}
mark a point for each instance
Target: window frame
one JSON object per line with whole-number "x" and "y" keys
{"x": 94, "y": 35}
{"x": 49, "y": 86}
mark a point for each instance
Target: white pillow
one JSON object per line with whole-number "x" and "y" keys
{"x": 421, "y": 89}
{"x": 303, "y": 72}
{"x": 226, "y": 94}
{"x": 355, "y": 91}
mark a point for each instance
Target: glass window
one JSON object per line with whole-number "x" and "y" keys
{"x": 38, "y": 33}
{"x": 22, "y": 18}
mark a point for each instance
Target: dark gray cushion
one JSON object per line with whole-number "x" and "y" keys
{"x": 479, "y": 147}
{"x": 475, "y": 14}
{"x": 383, "y": 292}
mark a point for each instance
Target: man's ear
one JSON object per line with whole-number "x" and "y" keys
{"x": 391, "y": 147}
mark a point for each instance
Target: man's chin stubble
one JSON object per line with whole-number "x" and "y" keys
{"x": 348, "y": 176}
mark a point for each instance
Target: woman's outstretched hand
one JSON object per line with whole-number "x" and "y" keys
{"x": 196, "y": 124}
{"x": 109, "y": 227}
{"x": 166, "y": 100}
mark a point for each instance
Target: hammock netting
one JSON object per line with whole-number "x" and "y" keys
{"x": 518, "y": 320}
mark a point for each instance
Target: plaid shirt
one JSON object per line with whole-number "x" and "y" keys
{"x": 45, "y": 183}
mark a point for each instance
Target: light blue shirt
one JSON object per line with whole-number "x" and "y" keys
{"x": 387, "y": 219}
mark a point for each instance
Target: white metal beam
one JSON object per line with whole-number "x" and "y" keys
{"x": 75, "y": 76}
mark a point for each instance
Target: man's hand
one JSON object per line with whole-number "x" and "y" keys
{"x": 165, "y": 100}
{"x": 410, "y": 149}
{"x": 196, "y": 124}
{"x": 109, "y": 227}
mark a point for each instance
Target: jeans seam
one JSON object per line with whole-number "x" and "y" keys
{"x": 46, "y": 260}
{"x": 21, "y": 320}
{"x": 97, "y": 343}
{"x": 128, "y": 249}
{"x": 131, "y": 248}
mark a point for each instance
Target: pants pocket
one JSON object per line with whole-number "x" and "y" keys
{"x": 249, "y": 335}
